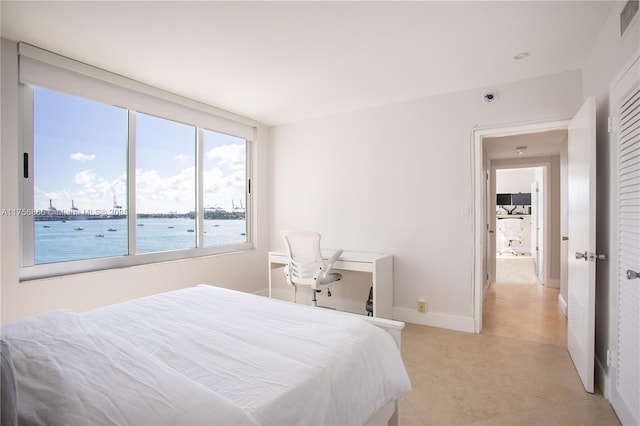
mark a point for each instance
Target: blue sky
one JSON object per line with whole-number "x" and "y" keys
{"x": 80, "y": 154}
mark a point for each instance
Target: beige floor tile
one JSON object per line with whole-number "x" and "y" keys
{"x": 517, "y": 372}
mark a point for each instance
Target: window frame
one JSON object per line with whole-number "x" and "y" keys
{"x": 213, "y": 119}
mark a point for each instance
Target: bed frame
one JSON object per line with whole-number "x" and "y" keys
{"x": 390, "y": 413}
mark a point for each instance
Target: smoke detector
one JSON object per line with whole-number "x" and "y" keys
{"x": 490, "y": 96}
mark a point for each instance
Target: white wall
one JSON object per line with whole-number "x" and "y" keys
{"x": 398, "y": 179}
{"x": 243, "y": 271}
{"x": 608, "y": 57}
{"x": 514, "y": 180}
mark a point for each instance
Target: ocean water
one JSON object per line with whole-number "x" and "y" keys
{"x": 57, "y": 241}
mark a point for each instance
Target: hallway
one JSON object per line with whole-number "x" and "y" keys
{"x": 516, "y": 372}
{"x": 527, "y": 312}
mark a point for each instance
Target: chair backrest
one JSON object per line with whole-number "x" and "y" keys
{"x": 511, "y": 228}
{"x": 304, "y": 263}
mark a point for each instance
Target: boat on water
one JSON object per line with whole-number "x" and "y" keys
{"x": 190, "y": 230}
{"x": 79, "y": 228}
{"x": 111, "y": 229}
{"x": 100, "y": 235}
{"x": 46, "y": 226}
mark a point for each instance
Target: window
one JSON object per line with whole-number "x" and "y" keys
{"x": 165, "y": 184}
{"x": 119, "y": 174}
{"x": 225, "y": 159}
{"x": 79, "y": 161}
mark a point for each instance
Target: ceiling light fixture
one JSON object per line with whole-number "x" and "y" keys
{"x": 521, "y": 150}
{"x": 521, "y": 55}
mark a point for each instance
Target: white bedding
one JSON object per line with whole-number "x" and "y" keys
{"x": 71, "y": 373}
{"x": 221, "y": 357}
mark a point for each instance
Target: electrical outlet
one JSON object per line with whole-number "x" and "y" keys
{"x": 422, "y": 305}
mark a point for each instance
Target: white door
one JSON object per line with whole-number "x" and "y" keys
{"x": 625, "y": 339}
{"x": 582, "y": 241}
{"x": 489, "y": 262}
{"x": 535, "y": 253}
{"x": 541, "y": 225}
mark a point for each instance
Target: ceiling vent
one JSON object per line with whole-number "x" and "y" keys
{"x": 627, "y": 14}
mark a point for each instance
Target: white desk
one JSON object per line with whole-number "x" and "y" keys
{"x": 379, "y": 265}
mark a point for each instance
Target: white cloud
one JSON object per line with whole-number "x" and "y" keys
{"x": 160, "y": 194}
{"x": 85, "y": 178}
{"x": 155, "y": 192}
{"x": 232, "y": 156}
{"x": 181, "y": 157}
{"x": 78, "y": 156}
{"x": 91, "y": 192}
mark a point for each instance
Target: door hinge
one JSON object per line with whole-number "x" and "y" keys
{"x": 610, "y": 358}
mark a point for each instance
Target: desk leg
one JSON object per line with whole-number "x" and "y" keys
{"x": 271, "y": 267}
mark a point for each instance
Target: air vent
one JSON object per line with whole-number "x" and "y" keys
{"x": 627, "y": 14}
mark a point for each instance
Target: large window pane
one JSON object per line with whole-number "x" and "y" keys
{"x": 165, "y": 184}
{"x": 79, "y": 158}
{"x": 224, "y": 198}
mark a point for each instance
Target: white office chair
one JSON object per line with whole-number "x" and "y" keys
{"x": 305, "y": 265}
{"x": 511, "y": 233}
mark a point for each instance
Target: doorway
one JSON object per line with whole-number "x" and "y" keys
{"x": 542, "y": 146}
{"x": 522, "y": 299}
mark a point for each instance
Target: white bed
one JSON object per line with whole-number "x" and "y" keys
{"x": 206, "y": 355}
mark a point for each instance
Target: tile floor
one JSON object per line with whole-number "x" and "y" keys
{"x": 516, "y": 372}
{"x": 516, "y": 270}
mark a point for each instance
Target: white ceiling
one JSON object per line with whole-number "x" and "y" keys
{"x": 541, "y": 144}
{"x": 281, "y": 62}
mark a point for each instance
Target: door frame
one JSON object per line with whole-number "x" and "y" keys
{"x": 480, "y": 170}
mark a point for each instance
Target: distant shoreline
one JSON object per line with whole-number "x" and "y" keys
{"x": 61, "y": 216}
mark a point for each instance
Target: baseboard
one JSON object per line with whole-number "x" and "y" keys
{"x": 553, "y": 283}
{"x": 451, "y": 322}
{"x": 563, "y": 305}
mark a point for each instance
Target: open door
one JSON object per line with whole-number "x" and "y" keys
{"x": 582, "y": 241}
{"x": 538, "y": 224}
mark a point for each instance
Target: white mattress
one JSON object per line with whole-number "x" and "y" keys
{"x": 250, "y": 359}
